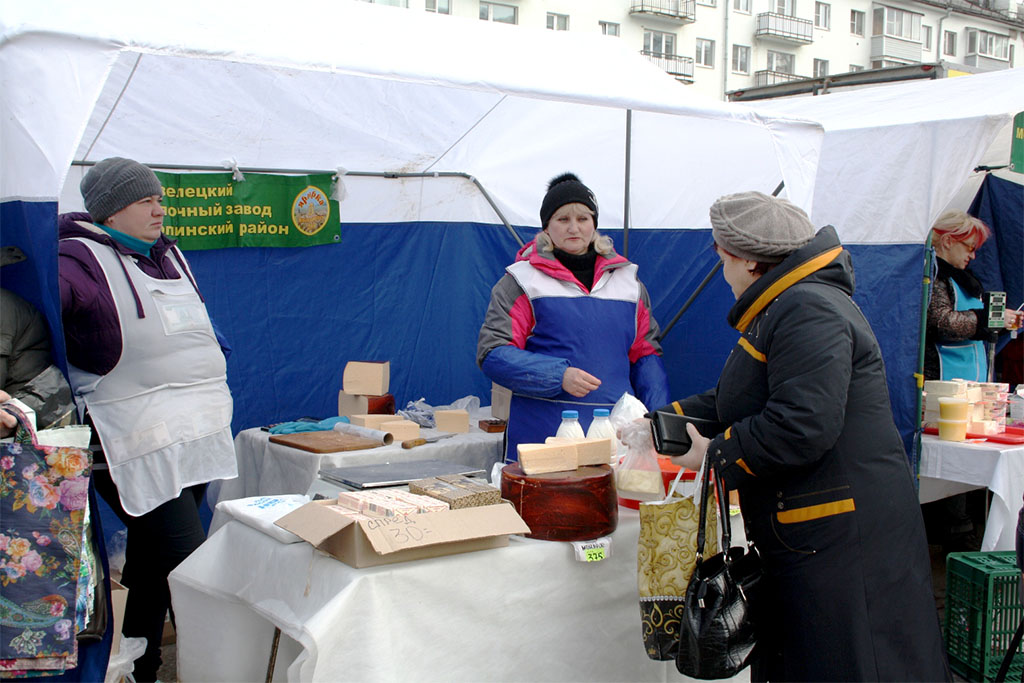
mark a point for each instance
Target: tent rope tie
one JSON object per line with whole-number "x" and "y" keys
{"x": 236, "y": 173}
{"x": 338, "y": 190}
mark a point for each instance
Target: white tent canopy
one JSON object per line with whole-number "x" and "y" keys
{"x": 339, "y": 84}
{"x": 895, "y": 156}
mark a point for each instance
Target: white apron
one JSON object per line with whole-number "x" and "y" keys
{"x": 163, "y": 413}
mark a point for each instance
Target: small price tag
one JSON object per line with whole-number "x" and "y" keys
{"x": 593, "y": 551}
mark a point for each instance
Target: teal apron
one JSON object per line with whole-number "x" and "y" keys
{"x": 966, "y": 359}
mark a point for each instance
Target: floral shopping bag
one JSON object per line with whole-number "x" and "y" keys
{"x": 43, "y": 504}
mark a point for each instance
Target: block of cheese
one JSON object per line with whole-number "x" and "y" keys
{"x": 563, "y": 506}
{"x": 369, "y": 378}
{"x": 451, "y": 420}
{"x": 501, "y": 400}
{"x": 457, "y": 491}
{"x": 935, "y": 387}
{"x": 588, "y": 451}
{"x": 401, "y": 429}
{"x": 358, "y": 404}
{"x": 370, "y": 421}
{"x": 539, "y": 458}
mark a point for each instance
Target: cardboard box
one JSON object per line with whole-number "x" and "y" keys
{"x": 369, "y": 378}
{"x": 401, "y": 429}
{"x": 452, "y": 420}
{"x": 370, "y": 421}
{"x": 501, "y": 400}
{"x": 357, "y": 404}
{"x": 386, "y": 540}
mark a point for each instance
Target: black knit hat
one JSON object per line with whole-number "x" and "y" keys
{"x": 114, "y": 183}
{"x": 566, "y": 189}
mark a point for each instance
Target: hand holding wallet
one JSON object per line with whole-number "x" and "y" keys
{"x": 670, "y": 435}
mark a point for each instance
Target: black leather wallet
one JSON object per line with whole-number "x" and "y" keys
{"x": 670, "y": 435}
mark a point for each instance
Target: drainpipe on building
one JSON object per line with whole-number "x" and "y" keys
{"x": 939, "y": 37}
{"x": 726, "y": 53}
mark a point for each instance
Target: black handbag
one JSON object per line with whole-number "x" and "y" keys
{"x": 717, "y": 637}
{"x": 670, "y": 435}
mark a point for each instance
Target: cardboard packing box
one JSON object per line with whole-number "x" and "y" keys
{"x": 385, "y": 540}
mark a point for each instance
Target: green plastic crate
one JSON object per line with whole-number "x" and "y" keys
{"x": 983, "y": 610}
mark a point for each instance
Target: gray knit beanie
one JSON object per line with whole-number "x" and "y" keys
{"x": 757, "y": 227}
{"x": 114, "y": 183}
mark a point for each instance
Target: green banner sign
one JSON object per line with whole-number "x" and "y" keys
{"x": 1017, "y": 146}
{"x": 213, "y": 211}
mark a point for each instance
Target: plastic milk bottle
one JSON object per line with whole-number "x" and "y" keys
{"x": 602, "y": 428}
{"x": 570, "y": 427}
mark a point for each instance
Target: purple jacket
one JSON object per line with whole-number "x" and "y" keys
{"x": 91, "y": 327}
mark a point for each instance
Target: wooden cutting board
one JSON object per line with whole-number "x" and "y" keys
{"x": 324, "y": 441}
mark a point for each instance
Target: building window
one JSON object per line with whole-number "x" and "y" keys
{"x": 781, "y": 62}
{"x": 558, "y": 22}
{"x": 705, "y": 52}
{"x": 439, "y": 6}
{"x": 608, "y": 28}
{"x": 785, "y": 7}
{"x": 823, "y": 15}
{"x": 741, "y": 6}
{"x": 896, "y": 23}
{"x": 856, "y": 22}
{"x": 926, "y": 37}
{"x": 660, "y": 44}
{"x": 741, "y": 59}
{"x": 709, "y": 3}
{"x": 820, "y": 68}
{"x": 392, "y": 3}
{"x": 988, "y": 44}
{"x": 856, "y": 67}
{"x": 493, "y": 11}
{"x": 949, "y": 44}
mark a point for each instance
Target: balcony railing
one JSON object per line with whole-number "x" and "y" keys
{"x": 682, "y": 11}
{"x": 680, "y": 67}
{"x": 784, "y": 28}
{"x": 772, "y": 77}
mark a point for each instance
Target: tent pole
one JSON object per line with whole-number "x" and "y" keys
{"x": 625, "y": 206}
{"x": 926, "y": 291}
{"x": 706, "y": 280}
{"x": 371, "y": 174}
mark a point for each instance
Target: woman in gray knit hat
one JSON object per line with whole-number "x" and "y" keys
{"x": 145, "y": 365}
{"x": 809, "y": 442}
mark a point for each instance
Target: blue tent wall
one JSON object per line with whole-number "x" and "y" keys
{"x": 415, "y": 293}
{"x": 1000, "y": 262}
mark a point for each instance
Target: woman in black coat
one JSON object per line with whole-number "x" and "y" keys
{"x": 825, "y": 488}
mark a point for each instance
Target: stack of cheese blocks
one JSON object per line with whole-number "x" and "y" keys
{"x": 457, "y": 491}
{"x": 562, "y": 455}
{"x": 987, "y": 401}
{"x": 362, "y": 381}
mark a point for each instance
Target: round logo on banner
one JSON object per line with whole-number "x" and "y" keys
{"x": 310, "y": 210}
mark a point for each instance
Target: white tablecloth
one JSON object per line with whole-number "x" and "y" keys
{"x": 528, "y": 612}
{"x": 266, "y": 468}
{"x": 950, "y": 466}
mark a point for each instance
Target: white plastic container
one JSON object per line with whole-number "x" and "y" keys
{"x": 601, "y": 428}
{"x": 570, "y": 427}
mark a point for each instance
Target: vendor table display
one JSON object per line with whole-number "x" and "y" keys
{"x": 266, "y": 468}
{"x": 950, "y": 467}
{"x": 526, "y": 612}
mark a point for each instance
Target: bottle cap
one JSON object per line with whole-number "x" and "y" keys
{"x": 601, "y": 412}
{"x": 574, "y": 414}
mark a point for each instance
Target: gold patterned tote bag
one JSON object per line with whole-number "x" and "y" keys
{"x": 666, "y": 554}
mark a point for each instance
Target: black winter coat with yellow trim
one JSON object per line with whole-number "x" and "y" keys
{"x": 825, "y": 487}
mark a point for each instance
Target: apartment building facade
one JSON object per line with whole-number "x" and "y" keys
{"x": 719, "y": 46}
